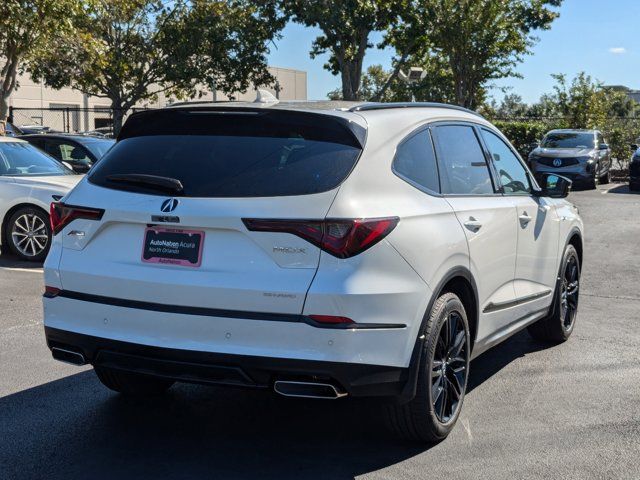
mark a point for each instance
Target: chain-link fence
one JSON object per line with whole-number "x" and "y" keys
{"x": 97, "y": 120}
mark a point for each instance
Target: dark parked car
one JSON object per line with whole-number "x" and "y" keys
{"x": 581, "y": 155}
{"x": 634, "y": 170}
{"x": 11, "y": 130}
{"x": 78, "y": 151}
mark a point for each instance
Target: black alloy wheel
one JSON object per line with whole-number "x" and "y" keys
{"x": 449, "y": 368}
{"x": 443, "y": 370}
{"x": 569, "y": 292}
{"x": 560, "y": 323}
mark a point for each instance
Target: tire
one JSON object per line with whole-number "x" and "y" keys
{"x": 606, "y": 178}
{"x": 558, "y": 327}
{"x": 593, "y": 183}
{"x": 132, "y": 384}
{"x": 431, "y": 415}
{"x": 28, "y": 234}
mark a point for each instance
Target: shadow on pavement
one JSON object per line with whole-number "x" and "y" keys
{"x": 623, "y": 189}
{"x": 491, "y": 362}
{"x": 10, "y": 261}
{"x": 73, "y": 428}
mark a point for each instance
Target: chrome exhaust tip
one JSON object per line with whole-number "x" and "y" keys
{"x": 68, "y": 356}
{"x": 325, "y": 391}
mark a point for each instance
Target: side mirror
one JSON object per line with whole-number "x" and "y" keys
{"x": 534, "y": 145}
{"x": 604, "y": 146}
{"x": 554, "y": 186}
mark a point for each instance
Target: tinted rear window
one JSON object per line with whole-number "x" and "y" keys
{"x": 230, "y": 154}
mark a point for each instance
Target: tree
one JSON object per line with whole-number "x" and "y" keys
{"x": 27, "y": 29}
{"x": 372, "y": 80}
{"x": 132, "y": 50}
{"x": 512, "y": 106}
{"x": 346, "y": 26}
{"x": 480, "y": 40}
{"x": 585, "y": 103}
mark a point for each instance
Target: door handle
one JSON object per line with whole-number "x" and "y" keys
{"x": 524, "y": 219}
{"x": 473, "y": 224}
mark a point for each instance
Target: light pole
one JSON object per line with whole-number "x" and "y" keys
{"x": 415, "y": 75}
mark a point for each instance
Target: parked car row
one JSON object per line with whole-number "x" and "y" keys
{"x": 29, "y": 181}
{"x": 79, "y": 152}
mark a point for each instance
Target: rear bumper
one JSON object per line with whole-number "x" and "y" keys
{"x": 279, "y": 336}
{"x": 228, "y": 369}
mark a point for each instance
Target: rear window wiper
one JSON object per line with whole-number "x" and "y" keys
{"x": 166, "y": 184}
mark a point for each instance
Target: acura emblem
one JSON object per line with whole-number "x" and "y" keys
{"x": 557, "y": 162}
{"x": 169, "y": 205}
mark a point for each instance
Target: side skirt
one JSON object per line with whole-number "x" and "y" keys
{"x": 507, "y": 331}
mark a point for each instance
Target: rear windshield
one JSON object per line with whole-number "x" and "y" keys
{"x": 569, "y": 140}
{"x": 223, "y": 154}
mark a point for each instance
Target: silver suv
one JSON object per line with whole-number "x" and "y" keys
{"x": 581, "y": 155}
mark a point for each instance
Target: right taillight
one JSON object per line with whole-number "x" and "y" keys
{"x": 61, "y": 215}
{"x": 342, "y": 238}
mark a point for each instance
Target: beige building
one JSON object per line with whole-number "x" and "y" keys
{"x": 32, "y": 102}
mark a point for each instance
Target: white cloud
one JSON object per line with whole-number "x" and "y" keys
{"x": 618, "y": 50}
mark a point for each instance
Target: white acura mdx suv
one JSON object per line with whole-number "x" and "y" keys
{"x": 320, "y": 252}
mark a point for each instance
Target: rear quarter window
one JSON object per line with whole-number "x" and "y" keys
{"x": 415, "y": 161}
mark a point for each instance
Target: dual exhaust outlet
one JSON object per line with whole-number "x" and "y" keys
{"x": 68, "y": 356}
{"x": 318, "y": 390}
{"x": 287, "y": 388}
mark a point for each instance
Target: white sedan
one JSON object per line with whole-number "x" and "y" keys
{"x": 29, "y": 181}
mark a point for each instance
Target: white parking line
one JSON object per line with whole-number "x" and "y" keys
{"x": 17, "y": 269}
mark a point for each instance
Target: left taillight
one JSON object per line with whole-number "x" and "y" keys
{"x": 342, "y": 238}
{"x": 61, "y": 215}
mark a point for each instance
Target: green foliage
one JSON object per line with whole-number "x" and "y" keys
{"x": 29, "y": 28}
{"x": 581, "y": 103}
{"x": 478, "y": 40}
{"x": 585, "y": 103}
{"x": 523, "y": 134}
{"x": 346, "y": 26}
{"x": 132, "y": 50}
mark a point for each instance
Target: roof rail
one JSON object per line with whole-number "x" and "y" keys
{"x": 200, "y": 102}
{"x": 383, "y": 106}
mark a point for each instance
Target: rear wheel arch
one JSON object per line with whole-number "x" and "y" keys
{"x": 575, "y": 239}
{"x": 463, "y": 287}
{"x": 459, "y": 281}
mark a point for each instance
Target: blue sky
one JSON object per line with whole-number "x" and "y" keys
{"x": 600, "y": 37}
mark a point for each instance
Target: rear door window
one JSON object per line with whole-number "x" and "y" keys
{"x": 415, "y": 161}
{"x": 463, "y": 166}
{"x": 233, "y": 154}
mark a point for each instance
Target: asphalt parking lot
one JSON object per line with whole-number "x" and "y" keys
{"x": 571, "y": 411}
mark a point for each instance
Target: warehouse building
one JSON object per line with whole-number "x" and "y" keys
{"x": 72, "y": 111}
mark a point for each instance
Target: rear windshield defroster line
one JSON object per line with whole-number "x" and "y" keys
{"x": 226, "y": 153}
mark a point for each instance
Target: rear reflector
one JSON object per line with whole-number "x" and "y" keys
{"x": 61, "y": 215}
{"x": 51, "y": 292}
{"x": 331, "y": 319}
{"x": 342, "y": 238}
